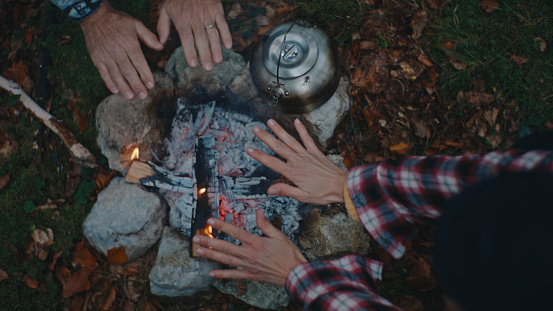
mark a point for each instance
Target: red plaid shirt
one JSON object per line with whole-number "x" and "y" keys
{"x": 392, "y": 198}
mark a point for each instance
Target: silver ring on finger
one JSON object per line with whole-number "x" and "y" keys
{"x": 209, "y": 26}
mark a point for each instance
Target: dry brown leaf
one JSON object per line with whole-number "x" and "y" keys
{"x": 43, "y": 237}
{"x": 3, "y": 275}
{"x": 54, "y": 260}
{"x": 7, "y": 148}
{"x": 4, "y": 180}
{"x": 549, "y": 125}
{"x": 517, "y": 59}
{"x": 83, "y": 256}
{"x": 542, "y": 45}
{"x": 453, "y": 144}
{"x": 430, "y": 151}
{"x": 418, "y": 23}
{"x": 41, "y": 254}
{"x": 132, "y": 271}
{"x": 32, "y": 283}
{"x": 76, "y": 283}
{"x": 50, "y": 204}
{"x": 489, "y": 5}
{"x": 421, "y": 129}
{"x": 458, "y": 65}
{"x": 448, "y": 45}
{"x": 368, "y": 45}
{"x": 235, "y": 10}
{"x": 372, "y": 158}
{"x": 423, "y": 59}
{"x": 400, "y": 148}
{"x": 421, "y": 276}
{"x": 408, "y": 71}
{"x": 348, "y": 160}
{"x": 110, "y": 300}
{"x": 434, "y": 4}
{"x": 77, "y": 303}
{"x": 368, "y": 118}
{"x": 475, "y": 98}
{"x": 19, "y": 72}
{"x": 117, "y": 255}
{"x": 131, "y": 291}
{"x": 431, "y": 78}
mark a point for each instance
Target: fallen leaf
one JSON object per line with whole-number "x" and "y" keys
{"x": 368, "y": 45}
{"x": 110, "y": 300}
{"x": 475, "y": 98}
{"x": 430, "y": 151}
{"x": 7, "y": 148}
{"x": 4, "y": 180}
{"x": 430, "y": 78}
{"x": 549, "y": 125}
{"x": 41, "y": 253}
{"x": 3, "y": 275}
{"x": 76, "y": 283}
{"x": 434, "y": 4}
{"x": 400, "y": 148}
{"x": 423, "y": 59}
{"x": 421, "y": 129}
{"x": 368, "y": 118}
{"x": 542, "y": 45}
{"x": 458, "y": 65}
{"x": 132, "y": 271}
{"x": 32, "y": 283}
{"x": 77, "y": 303}
{"x": 50, "y": 204}
{"x": 235, "y": 10}
{"x": 131, "y": 291}
{"x": 489, "y": 5}
{"x": 102, "y": 180}
{"x": 117, "y": 255}
{"x": 42, "y": 237}
{"x": 83, "y": 256}
{"x": 418, "y": 23}
{"x": 348, "y": 160}
{"x": 420, "y": 276}
{"x": 517, "y": 59}
{"x": 54, "y": 260}
{"x": 453, "y": 144}
{"x": 448, "y": 45}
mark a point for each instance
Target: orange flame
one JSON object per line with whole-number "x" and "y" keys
{"x": 201, "y": 191}
{"x": 208, "y": 231}
{"x": 135, "y": 154}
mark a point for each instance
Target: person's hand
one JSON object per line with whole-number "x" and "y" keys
{"x": 317, "y": 179}
{"x": 199, "y": 21}
{"x": 266, "y": 259}
{"x": 112, "y": 38}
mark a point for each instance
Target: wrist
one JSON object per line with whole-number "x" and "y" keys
{"x": 105, "y": 8}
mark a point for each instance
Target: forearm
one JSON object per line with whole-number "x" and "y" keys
{"x": 394, "y": 196}
{"x": 78, "y": 10}
{"x": 348, "y": 283}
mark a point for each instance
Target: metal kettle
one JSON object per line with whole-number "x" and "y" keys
{"x": 294, "y": 65}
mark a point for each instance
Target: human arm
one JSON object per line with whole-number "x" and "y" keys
{"x": 191, "y": 18}
{"x": 113, "y": 41}
{"x": 348, "y": 283}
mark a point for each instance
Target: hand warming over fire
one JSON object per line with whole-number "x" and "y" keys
{"x": 266, "y": 259}
{"x": 112, "y": 38}
{"x": 199, "y": 23}
{"x": 317, "y": 179}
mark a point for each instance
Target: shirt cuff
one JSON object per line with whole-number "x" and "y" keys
{"x": 350, "y": 207}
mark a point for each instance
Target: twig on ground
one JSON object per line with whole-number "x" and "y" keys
{"x": 78, "y": 151}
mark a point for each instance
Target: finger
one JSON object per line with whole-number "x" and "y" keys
{"x": 187, "y": 40}
{"x": 163, "y": 26}
{"x": 214, "y": 44}
{"x": 286, "y": 190}
{"x": 148, "y": 37}
{"x": 224, "y": 31}
{"x": 276, "y": 145}
{"x": 104, "y": 73}
{"x": 269, "y": 161}
{"x": 220, "y": 257}
{"x": 120, "y": 81}
{"x": 202, "y": 44}
{"x": 219, "y": 245}
{"x": 285, "y": 137}
{"x": 129, "y": 71}
{"x": 232, "y": 230}
{"x": 305, "y": 137}
{"x": 231, "y": 274}
{"x": 265, "y": 225}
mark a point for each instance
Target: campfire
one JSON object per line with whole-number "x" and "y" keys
{"x": 208, "y": 174}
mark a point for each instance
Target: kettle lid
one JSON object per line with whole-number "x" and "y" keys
{"x": 299, "y": 52}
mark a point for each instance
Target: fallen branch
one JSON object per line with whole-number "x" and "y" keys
{"x": 78, "y": 151}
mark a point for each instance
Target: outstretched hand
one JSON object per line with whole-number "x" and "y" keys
{"x": 317, "y": 179}
{"x": 266, "y": 259}
{"x": 112, "y": 38}
{"x": 199, "y": 23}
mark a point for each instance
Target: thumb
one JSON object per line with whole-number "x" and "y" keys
{"x": 148, "y": 37}
{"x": 265, "y": 225}
{"x": 163, "y": 26}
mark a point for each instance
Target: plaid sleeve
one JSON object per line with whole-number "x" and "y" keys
{"x": 78, "y": 10}
{"x": 348, "y": 283}
{"x": 394, "y": 196}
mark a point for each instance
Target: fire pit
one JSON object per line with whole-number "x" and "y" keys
{"x": 193, "y": 159}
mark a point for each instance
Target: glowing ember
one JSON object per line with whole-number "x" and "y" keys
{"x": 208, "y": 231}
{"x": 135, "y": 154}
{"x": 201, "y": 191}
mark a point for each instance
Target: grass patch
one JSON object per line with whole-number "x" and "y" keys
{"x": 486, "y": 42}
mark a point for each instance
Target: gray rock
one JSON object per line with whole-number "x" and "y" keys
{"x": 330, "y": 114}
{"x": 332, "y": 236}
{"x": 125, "y": 215}
{"x": 123, "y": 125}
{"x": 175, "y": 274}
{"x": 196, "y": 85}
{"x": 257, "y": 294}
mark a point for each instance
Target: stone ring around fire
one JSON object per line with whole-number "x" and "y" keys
{"x": 209, "y": 26}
